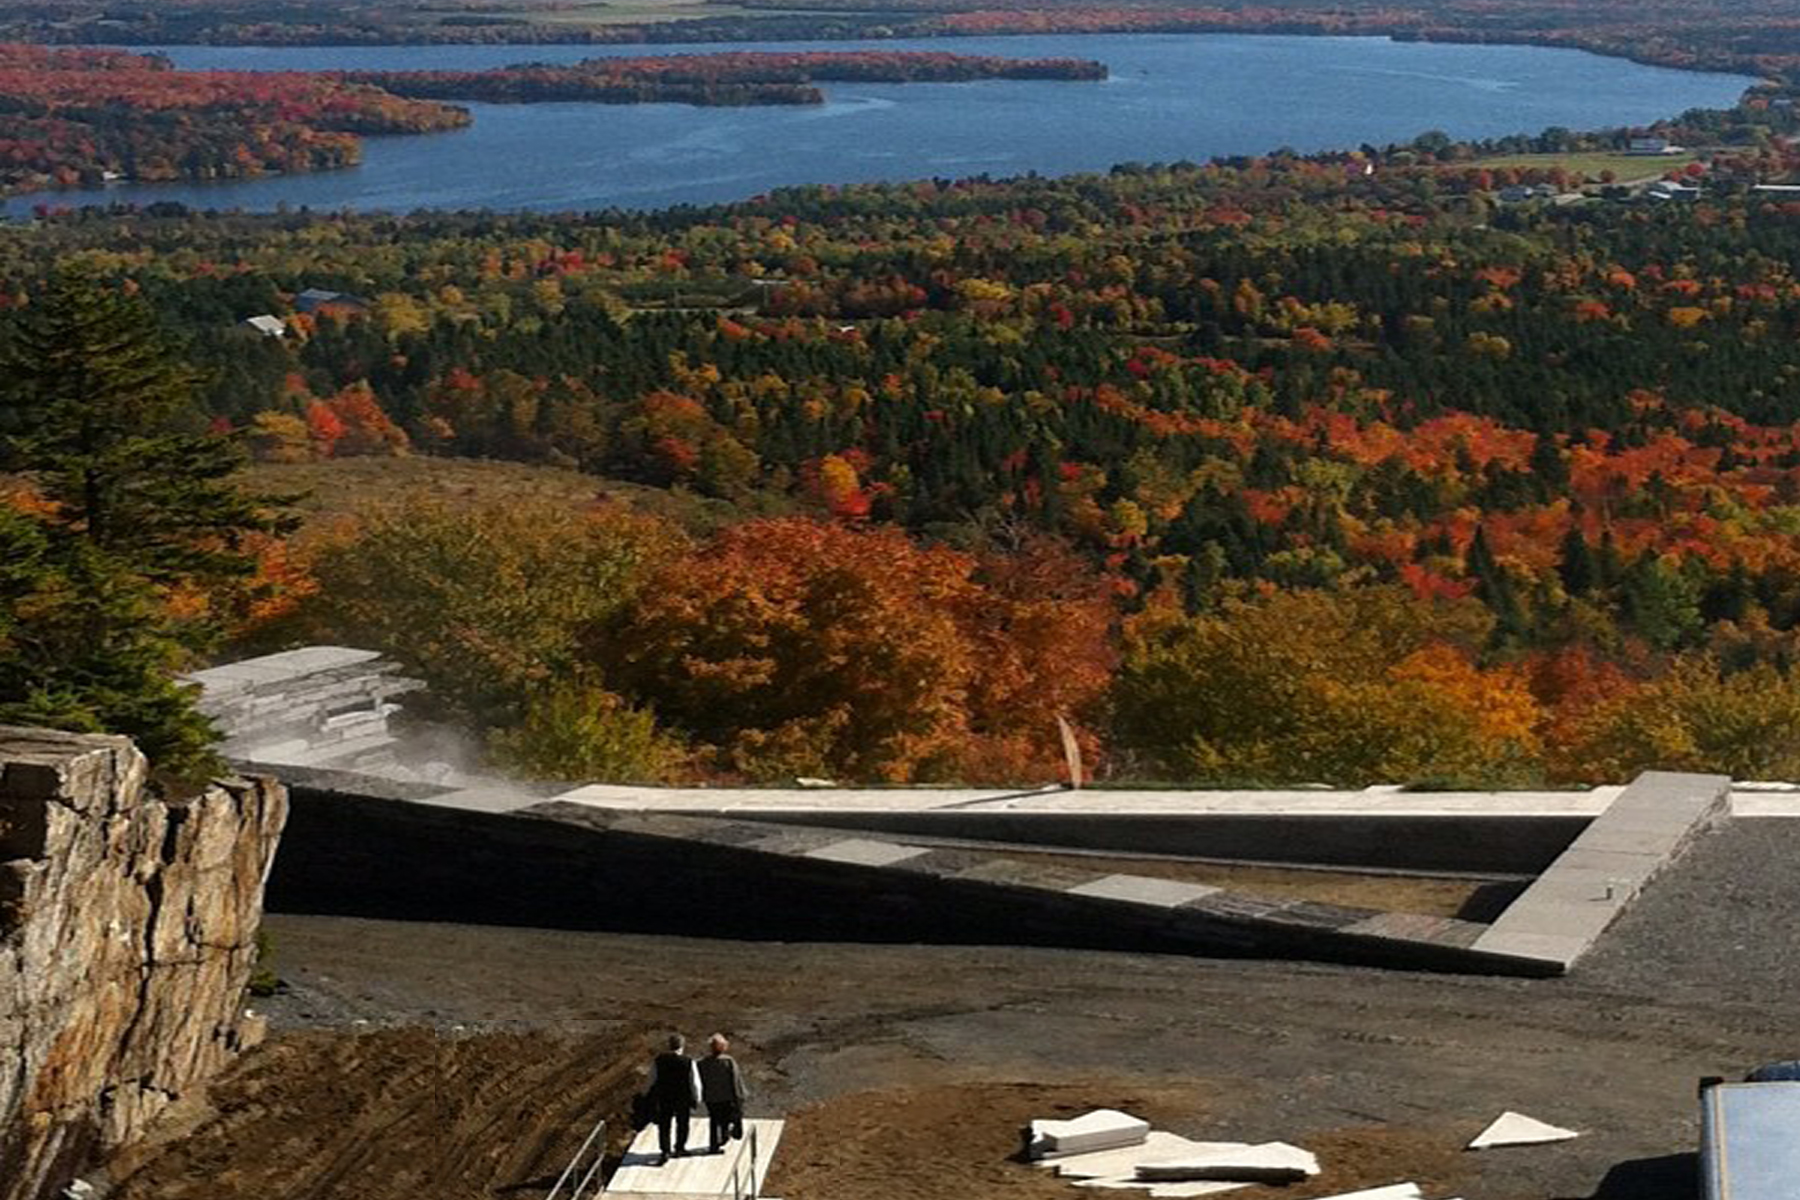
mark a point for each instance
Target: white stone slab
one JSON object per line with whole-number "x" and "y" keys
{"x": 1269, "y": 1162}
{"x": 1517, "y": 1129}
{"x": 1393, "y": 1191}
{"x": 1142, "y": 889}
{"x": 866, "y": 852}
{"x": 1764, "y": 804}
{"x": 1173, "y": 1191}
{"x": 1101, "y": 1129}
{"x": 483, "y": 799}
{"x": 1095, "y": 801}
{"x": 1124, "y": 1160}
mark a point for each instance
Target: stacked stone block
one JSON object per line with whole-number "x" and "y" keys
{"x": 317, "y": 706}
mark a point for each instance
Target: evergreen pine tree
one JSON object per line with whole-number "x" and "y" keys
{"x": 1575, "y": 563}
{"x": 97, "y": 413}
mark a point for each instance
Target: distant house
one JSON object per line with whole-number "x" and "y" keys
{"x": 266, "y": 324}
{"x": 317, "y": 300}
{"x": 1662, "y": 189}
{"x": 1518, "y": 193}
{"x": 1647, "y": 146}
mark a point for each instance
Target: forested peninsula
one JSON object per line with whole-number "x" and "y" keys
{"x": 81, "y": 117}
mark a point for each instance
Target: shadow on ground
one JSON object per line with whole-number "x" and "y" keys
{"x": 1666, "y": 1177}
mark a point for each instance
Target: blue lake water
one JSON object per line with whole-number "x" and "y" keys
{"x": 1171, "y": 97}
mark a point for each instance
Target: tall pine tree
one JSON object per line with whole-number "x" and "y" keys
{"x": 133, "y": 503}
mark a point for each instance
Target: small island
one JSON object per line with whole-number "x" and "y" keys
{"x": 742, "y": 77}
{"x": 84, "y": 117}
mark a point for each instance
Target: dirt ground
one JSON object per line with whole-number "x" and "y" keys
{"x": 459, "y": 1062}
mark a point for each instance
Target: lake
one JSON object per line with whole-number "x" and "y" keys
{"x": 1171, "y": 97}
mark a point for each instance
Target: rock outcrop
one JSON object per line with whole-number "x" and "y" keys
{"x": 127, "y": 936}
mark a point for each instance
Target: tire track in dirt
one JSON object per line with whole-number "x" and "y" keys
{"x": 394, "y": 1114}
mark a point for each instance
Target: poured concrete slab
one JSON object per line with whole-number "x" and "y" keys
{"x": 1269, "y": 1162}
{"x": 1517, "y": 1129}
{"x": 1101, "y": 802}
{"x": 484, "y": 799}
{"x": 1747, "y": 802}
{"x": 1141, "y": 889}
{"x": 866, "y": 852}
{"x": 1101, "y": 1129}
{"x": 1566, "y": 909}
{"x": 1123, "y": 1161}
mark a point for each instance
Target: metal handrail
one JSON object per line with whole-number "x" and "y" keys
{"x": 737, "y": 1186}
{"x": 596, "y": 1134}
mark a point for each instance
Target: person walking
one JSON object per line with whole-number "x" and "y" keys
{"x": 722, "y": 1088}
{"x": 674, "y": 1092}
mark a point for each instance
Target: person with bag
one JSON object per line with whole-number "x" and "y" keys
{"x": 674, "y": 1093}
{"x": 722, "y": 1088}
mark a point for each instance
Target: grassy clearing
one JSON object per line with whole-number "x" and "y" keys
{"x": 1591, "y": 164}
{"x": 342, "y": 487}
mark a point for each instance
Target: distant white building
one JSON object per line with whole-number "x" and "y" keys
{"x": 272, "y": 326}
{"x": 1662, "y": 189}
{"x": 1647, "y": 146}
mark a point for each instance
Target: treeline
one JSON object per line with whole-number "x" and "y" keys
{"x": 1754, "y": 37}
{"x": 733, "y": 78}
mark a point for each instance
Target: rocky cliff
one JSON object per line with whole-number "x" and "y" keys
{"x": 127, "y": 935}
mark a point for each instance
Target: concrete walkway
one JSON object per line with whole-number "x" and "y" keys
{"x": 1385, "y": 801}
{"x": 1561, "y": 915}
{"x": 737, "y": 1172}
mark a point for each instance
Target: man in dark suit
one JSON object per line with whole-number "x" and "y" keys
{"x": 722, "y": 1087}
{"x": 674, "y": 1093}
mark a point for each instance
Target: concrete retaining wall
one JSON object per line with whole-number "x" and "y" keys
{"x": 569, "y": 866}
{"x": 1511, "y": 845}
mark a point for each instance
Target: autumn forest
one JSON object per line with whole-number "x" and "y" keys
{"x": 1288, "y": 469}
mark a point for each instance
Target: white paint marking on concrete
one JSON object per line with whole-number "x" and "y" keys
{"x": 1101, "y": 1129}
{"x": 1269, "y": 1162}
{"x": 1517, "y": 1129}
{"x": 866, "y": 852}
{"x": 1141, "y": 889}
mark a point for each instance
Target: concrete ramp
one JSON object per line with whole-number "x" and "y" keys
{"x": 737, "y": 1172}
{"x": 1564, "y": 912}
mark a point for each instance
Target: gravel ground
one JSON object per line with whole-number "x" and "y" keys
{"x": 906, "y": 1069}
{"x": 1720, "y": 928}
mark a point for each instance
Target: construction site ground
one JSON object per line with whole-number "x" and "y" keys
{"x": 456, "y": 1062}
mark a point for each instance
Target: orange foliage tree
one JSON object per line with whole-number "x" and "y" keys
{"x": 801, "y": 647}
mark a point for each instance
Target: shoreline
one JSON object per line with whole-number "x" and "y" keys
{"x": 92, "y": 197}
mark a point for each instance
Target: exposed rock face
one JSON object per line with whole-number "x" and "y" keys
{"x": 127, "y": 935}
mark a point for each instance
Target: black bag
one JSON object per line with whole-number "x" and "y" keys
{"x": 641, "y": 1115}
